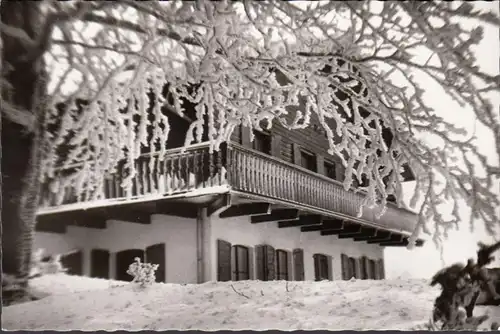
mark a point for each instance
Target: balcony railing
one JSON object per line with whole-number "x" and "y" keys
{"x": 242, "y": 169}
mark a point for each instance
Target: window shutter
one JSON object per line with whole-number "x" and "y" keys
{"x": 345, "y": 266}
{"x": 156, "y": 254}
{"x": 298, "y": 263}
{"x": 276, "y": 145}
{"x": 316, "y": 267}
{"x": 376, "y": 269}
{"x": 297, "y": 159}
{"x": 381, "y": 268}
{"x": 367, "y": 267}
{"x": 223, "y": 261}
{"x": 245, "y": 136}
{"x": 320, "y": 164}
{"x": 270, "y": 266}
{"x": 357, "y": 263}
{"x": 99, "y": 262}
{"x": 259, "y": 262}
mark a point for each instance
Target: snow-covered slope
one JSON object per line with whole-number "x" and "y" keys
{"x": 81, "y": 303}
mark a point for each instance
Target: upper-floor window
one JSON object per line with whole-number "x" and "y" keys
{"x": 261, "y": 142}
{"x": 330, "y": 170}
{"x": 308, "y": 161}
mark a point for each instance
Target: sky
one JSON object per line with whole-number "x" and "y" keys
{"x": 423, "y": 262}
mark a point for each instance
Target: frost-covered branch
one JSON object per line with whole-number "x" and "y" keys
{"x": 356, "y": 67}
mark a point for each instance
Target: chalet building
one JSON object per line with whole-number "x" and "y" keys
{"x": 271, "y": 209}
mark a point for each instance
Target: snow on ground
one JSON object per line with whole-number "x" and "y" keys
{"x": 82, "y": 303}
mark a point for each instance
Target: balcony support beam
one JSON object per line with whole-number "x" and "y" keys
{"x": 246, "y": 209}
{"x": 380, "y": 235}
{"x": 363, "y": 232}
{"x": 277, "y": 215}
{"x": 402, "y": 243}
{"x": 391, "y": 238}
{"x": 327, "y": 224}
{"x": 304, "y": 220}
{"x": 347, "y": 229}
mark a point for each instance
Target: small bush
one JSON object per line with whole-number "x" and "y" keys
{"x": 143, "y": 273}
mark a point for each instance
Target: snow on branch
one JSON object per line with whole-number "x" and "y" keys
{"x": 355, "y": 66}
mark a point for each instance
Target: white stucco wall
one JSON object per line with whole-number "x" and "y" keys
{"x": 178, "y": 234}
{"x": 240, "y": 231}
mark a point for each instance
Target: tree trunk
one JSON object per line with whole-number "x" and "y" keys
{"x": 20, "y": 149}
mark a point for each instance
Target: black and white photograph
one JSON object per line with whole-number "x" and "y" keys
{"x": 250, "y": 165}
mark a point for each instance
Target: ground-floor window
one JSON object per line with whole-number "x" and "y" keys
{"x": 321, "y": 267}
{"x": 241, "y": 263}
{"x": 281, "y": 264}
{"x": 265, "y": 262}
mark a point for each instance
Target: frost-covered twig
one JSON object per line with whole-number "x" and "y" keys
{"x": 239, "y": 293}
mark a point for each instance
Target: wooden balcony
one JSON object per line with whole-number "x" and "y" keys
{"x": 239, "y": 170}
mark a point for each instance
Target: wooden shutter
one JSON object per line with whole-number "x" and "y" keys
{"x": 381, "y": 269}
{"x": 124, "y": 259}
{"x": 259, "y": 262}
{"x": 367, "y": 268}
{"x": 298, "y": 264}
{"x": 270, "y": 266}
{"x": 99, "y": 263}
{"x": 376, "y": 269}
{"x": 345, "y": 266}
{"x": 155, "y": 254}
{"x": 223, "y": 261}
{"x": 297, "y": 158}
{"x": 316, "y": 267}
{"x": 245, "y": 136}
{"x": 276, "y": 145}
{"x": 358, "y": 268}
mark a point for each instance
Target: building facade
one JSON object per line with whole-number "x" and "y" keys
{"x": 273, "y": 208}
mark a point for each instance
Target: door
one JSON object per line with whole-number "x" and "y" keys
{"x": 99, "y": 262}
{"x": 123, "y": 260}
{"x": 155, "y": 254}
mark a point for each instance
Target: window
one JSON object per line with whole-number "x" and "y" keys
{"x": 265, "y": 263}
{"x": 282, "y": 265}
{"x": 321, "y": 267}
{"x": 330, "y": 170}
{"x": 261, "y": 142}
{"x": 308, "y": 160}
{"x": 352, "y": 268}
{"x": 241, "y": 263}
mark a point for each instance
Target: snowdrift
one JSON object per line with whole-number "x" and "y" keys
{"x": 82, "y": 303}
